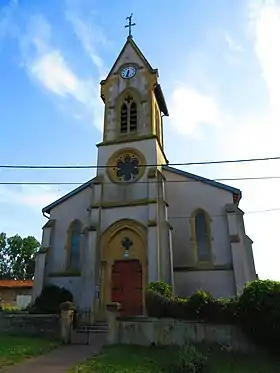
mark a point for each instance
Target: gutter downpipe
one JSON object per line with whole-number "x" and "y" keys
{"x": 162, "y": 130}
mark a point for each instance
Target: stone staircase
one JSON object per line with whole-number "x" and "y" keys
{"x": 88, "y": 334}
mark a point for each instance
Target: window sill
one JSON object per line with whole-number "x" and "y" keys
{"x": 204, "y": 267}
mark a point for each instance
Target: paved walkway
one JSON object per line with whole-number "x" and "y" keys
{"x": 59, "y": 360}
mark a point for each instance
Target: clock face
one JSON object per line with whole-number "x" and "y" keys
{"x": 128, "y": 72}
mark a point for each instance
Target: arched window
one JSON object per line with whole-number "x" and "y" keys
{"x": 202, "y": 233}
{"x": 128, "y": 115}
{"x": 75, "y": 235}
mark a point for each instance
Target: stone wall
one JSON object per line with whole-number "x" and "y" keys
{"x": 24, "y": 324}
{"x": 148, "y": 331}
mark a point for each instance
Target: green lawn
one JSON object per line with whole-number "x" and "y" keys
{"x": 128, "y": 359}
{"x": 15, "y": 349}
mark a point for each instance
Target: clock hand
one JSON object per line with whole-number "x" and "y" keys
{"x": 127, "y": 73}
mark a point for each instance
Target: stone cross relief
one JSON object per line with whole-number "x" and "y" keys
{"x": 126, "y": 244}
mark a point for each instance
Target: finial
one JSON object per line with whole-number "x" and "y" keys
{"x": 129, "y": 25}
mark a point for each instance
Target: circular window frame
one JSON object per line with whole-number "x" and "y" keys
{"x": 111, "y": 165}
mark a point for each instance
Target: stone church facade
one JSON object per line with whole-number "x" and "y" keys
{"x": 140, "y": 220}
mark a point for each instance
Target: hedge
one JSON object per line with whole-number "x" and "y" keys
{"x": 259, "y": 312}
{"x": 256, "y": 310}
{"x": 199, "y": 307}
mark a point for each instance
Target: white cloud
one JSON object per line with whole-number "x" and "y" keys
{"x": 35, "y": 196}
{"x": 89, "y": 37}
{"x": 259, "y": 133}
{"x": 232, "y": 44}
{"x": 6, "y": 14}
{"x": 46, "y": 64}
{"x": 189, "y": 109}
{"x": 255, "y": 134}
{"x": 53, "y": 72}
{"x": 267, "y": 47}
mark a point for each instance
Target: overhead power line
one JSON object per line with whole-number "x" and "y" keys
{"x": 151, "y": 165}
{"x": 138, "y": 182}
{"x": 223, "y": 215}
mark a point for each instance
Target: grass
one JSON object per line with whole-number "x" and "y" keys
{"x": 16, "y": 349}
{"x": 134, "y": 359}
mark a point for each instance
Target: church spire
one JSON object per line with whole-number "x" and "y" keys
{"x": 130, "y": 25}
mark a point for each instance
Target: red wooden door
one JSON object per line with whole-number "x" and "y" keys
{"x": 127, "y": 286}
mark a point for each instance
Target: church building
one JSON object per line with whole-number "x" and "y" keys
{"x": 139, "y": 219}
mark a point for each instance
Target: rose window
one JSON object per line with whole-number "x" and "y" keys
{"x": 127, "y": 167}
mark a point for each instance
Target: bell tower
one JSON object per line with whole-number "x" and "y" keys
{"x": 134, "y": 102}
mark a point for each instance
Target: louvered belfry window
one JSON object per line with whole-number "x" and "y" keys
{"x": 133, "y": 117}
{"x": 129, "y": 115}
{"x": 124, "y": 118}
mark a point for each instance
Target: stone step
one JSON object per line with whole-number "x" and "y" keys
{"x": 96, "y": 328}
{"x": 88, "y": 338}
{"x": 83, "y": 331}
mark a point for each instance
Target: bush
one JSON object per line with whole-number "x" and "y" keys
{"x": 190, "y": 360}
{"x": 157, "y": 305}
{"x": 50, "y": 299}
{"x": 199, "y": 306}
{"x": 259, "y": 311}
{"x": 161, "y": 288}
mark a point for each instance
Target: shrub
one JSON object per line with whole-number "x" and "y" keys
{"x": 259, "y": 311}
{"x": 199, "y": 306}
{"x": 157, "y": 305}
{"x": 190, "y": 360}
{"x": 230, "y": 310}
{"x": 50, "y": 299}
{"x": 161, "y": 288}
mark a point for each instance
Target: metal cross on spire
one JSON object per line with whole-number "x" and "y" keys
{"x": 130, "y": 24}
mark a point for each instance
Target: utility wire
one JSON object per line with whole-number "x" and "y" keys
{"x": 224, "y": 215}
{"x": 138, "y": 182}
{"x": 150, "y": 165}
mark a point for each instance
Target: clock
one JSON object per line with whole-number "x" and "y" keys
{"x": 128, "y": 72}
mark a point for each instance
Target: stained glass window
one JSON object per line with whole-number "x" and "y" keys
{"x": 202, "y": 235}
{"x": 75, "y": 245}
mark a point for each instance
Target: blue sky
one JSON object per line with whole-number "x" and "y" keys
{"x": 219, "y": 69}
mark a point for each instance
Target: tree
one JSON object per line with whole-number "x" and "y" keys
{"x": 17, "y": 257}
{"x": 4, "y": 271}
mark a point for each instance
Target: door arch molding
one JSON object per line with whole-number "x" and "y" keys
{"x": 112, "y": 251}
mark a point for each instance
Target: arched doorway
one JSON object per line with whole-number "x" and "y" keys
{"x": 124, "y": 267}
